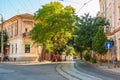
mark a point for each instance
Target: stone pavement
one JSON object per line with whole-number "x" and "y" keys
{"x": 109, "y": 68}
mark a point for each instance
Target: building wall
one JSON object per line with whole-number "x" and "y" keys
{"x": 112, "y": 14}
{"x": 18, "y": 28}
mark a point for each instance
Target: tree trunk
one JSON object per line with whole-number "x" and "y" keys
{"x": 100, "y": 60}
{"x": 81, "y": 57}
{"x": 42, "y": 54}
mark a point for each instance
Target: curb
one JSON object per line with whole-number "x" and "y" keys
{"x": 33, "y": 63}
{"x": 105, "y": 69}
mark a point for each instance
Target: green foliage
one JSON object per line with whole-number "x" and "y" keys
{"x": 86, "y": 55}
{"x": 86, "y": 30}
{"x": 99, "y": 40}
{"x": 54, "y": 26}
{"x": 70, "y": 50}
{"x": 5, "y": 39}
{"x": 93, "y": 60}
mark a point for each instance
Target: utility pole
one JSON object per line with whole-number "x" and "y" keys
{"x": 2, "y": 42}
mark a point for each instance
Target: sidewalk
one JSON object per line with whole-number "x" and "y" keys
{"x": 109, "y": 68}
{"x": 25, "y": 62}
{"x": 31, "y": 62}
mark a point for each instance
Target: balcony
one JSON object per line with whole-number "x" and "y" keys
{"x": 26, "y": 35}
{"x": 107, "y": 31}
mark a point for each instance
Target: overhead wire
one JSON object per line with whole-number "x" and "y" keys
{"x": 31, "y": 4}
{"x": 28, "y": 8}
{"x": 12, "y": 6}
{"x": 24, "y": 8}
{"x": 83, "y": 5}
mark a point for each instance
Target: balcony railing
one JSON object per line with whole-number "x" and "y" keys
{"x": 26, "y": 35}
{"x": 107, "y": 30}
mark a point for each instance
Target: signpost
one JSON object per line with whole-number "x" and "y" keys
{"x": 108, "y": 45}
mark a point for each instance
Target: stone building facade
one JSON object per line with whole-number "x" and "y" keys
{"x": 110, "y": 9}
{"x": 21, "y": 45}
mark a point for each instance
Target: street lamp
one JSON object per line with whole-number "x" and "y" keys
{"x": 1, "y": 37}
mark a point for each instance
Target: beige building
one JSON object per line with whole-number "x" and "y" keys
{"x": 110, "y": 9}
{"x": 21, "y": 46}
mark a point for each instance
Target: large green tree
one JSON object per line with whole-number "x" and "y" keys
{"x": 54, "y": 26}
{"x": 86, "y": 30}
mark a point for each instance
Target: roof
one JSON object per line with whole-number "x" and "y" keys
{"x": 26, "y": 15}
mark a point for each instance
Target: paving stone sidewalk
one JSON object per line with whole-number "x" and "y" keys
{"x": 105, "y": 67}
{"x": 109, "y": 68}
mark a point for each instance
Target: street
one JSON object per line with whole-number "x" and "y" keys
{"x": 31, "y": 72}
{"x": 55, "y": 71}
{"x": 93, "y": 71}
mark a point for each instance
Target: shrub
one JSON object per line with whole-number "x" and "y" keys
{"x": 93, "y": 60}
{"x": 87, "y": 56}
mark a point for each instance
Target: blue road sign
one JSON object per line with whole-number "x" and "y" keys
{"x": 108, "y": 45}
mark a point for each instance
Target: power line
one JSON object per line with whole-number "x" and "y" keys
{"x": 31, "y": 4}
{"x": 26, "y": 5}
{"x": 70, "y": 2}
{"x": 13, "y": 7}
{"x": 23, "y": 5}
{"x": 84, "y": 5}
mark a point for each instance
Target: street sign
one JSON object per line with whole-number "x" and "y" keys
{"x": 7, "y": 48}
{"x": 108, "y": 45}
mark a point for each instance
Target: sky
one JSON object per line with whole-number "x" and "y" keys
{"x": 10, "y": 8}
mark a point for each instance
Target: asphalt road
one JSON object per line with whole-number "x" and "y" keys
{"x": 31, "y": 72}
{"x": 93, "y": 71}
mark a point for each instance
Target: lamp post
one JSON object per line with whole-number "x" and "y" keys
{"x": 1, "y": 37}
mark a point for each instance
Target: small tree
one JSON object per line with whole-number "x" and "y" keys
{"x": 5, "y": 39}
{"x": 98, "y": 42}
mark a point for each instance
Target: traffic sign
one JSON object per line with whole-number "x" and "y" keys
{"x": 108, "y": 45}
{"x": 7, "y": 48}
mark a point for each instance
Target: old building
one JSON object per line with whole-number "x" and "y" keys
{"x": 110, "y": 9}
{"x": 21, "y": 46}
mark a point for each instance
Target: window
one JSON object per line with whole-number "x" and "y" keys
{"x": 26, "y": 29}
{"x": 12, "y": 48}
{"x": 27, "y": 48}
{"x": 16, "y": 48}
{"x": 119, "y": 12}
{"x": 11, "y": 31}
{"x": 16, "y": 28}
